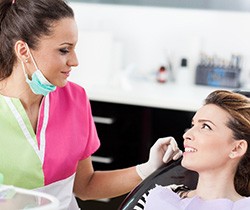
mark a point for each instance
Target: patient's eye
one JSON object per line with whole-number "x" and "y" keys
{"x": 206, "y": 126}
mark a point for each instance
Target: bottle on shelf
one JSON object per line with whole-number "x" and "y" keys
{"x": 162, "y": 74}
{"x": 184, "y": 75}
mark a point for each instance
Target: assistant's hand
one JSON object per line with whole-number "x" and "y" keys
{"x": 163, "y": 150}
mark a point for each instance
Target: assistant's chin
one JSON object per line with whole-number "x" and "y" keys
{"x": 62, "y": 83}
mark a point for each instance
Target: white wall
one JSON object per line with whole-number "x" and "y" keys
{"x": 148, "y": 35}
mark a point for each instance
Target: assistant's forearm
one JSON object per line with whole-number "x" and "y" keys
{"x": 107, "y": 184}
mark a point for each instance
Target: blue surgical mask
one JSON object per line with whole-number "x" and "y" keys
{"x": 38, "y": 83}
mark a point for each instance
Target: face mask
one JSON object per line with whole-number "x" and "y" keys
{"x": 38, "y": 83}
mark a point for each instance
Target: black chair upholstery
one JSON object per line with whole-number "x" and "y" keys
{"x": 172, "y": 173}
{"x": 243, "y": 92}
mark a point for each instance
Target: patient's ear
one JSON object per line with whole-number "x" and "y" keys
{"x": 239, "y": 149}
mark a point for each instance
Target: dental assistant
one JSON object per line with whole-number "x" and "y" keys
{"x": 47, "y": 133}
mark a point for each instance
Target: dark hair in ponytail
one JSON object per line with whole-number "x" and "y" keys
{"x": 26, "y": 20}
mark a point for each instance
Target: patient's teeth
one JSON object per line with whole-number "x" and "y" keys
{"x": 188, "y": 149}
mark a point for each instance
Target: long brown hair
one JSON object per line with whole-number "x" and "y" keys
{"x": 238, "y": 106}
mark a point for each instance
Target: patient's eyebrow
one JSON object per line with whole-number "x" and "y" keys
{"x": 203, "y": 120}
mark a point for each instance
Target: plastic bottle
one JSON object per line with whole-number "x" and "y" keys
{"x": 184, "y": 75}
{"x": 162, "y": 75}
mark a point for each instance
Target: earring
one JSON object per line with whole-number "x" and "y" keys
{"x": 26, "y": 60}
{"x": 231, "y": 155}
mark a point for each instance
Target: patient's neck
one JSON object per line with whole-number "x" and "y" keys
{"x": 215, "y": 186}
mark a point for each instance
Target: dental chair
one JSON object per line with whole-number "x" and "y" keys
{"x": 172, "y": 173}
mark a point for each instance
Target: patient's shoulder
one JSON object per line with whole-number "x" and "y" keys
{"x": 172, "y": 189}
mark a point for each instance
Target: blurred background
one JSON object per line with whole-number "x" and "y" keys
{"x": 142, "y": 35}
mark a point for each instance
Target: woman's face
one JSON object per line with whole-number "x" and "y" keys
{"x": 209, "y": 141}
{"x": 55, "y": 54}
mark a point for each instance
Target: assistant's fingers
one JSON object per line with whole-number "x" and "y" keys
{"x": 168, "y": 154}
{"x": 174, "y": 144}
{"x": 161, "y": 143}
{"x": 177, "y": 155}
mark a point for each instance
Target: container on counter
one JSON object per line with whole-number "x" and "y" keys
{"x": 162, "y": 74}
{"x": 184, "y": 75}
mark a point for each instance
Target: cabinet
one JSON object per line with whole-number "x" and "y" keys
{"x": 126, "y": 133}
{"x": 119, "y": 129}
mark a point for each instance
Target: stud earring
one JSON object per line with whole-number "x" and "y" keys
{"x": 231, "y": 155}
{"x": 26, "y": 60}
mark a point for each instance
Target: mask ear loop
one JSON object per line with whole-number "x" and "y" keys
{"x": 23, "y": 66}
{"x": 31, "y": 56}
{"x": 24, "y": 71}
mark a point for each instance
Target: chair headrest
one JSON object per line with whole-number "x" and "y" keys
{"x": 243, "y": 92}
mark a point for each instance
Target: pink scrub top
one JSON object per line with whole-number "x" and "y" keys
{"x": 47, "y": 161}
{"x": 162, "y": 198}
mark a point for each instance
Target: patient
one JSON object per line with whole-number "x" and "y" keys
{"x": 217, "y": 148}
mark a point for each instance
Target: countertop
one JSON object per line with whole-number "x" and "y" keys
{"x": 150, "y": 94}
